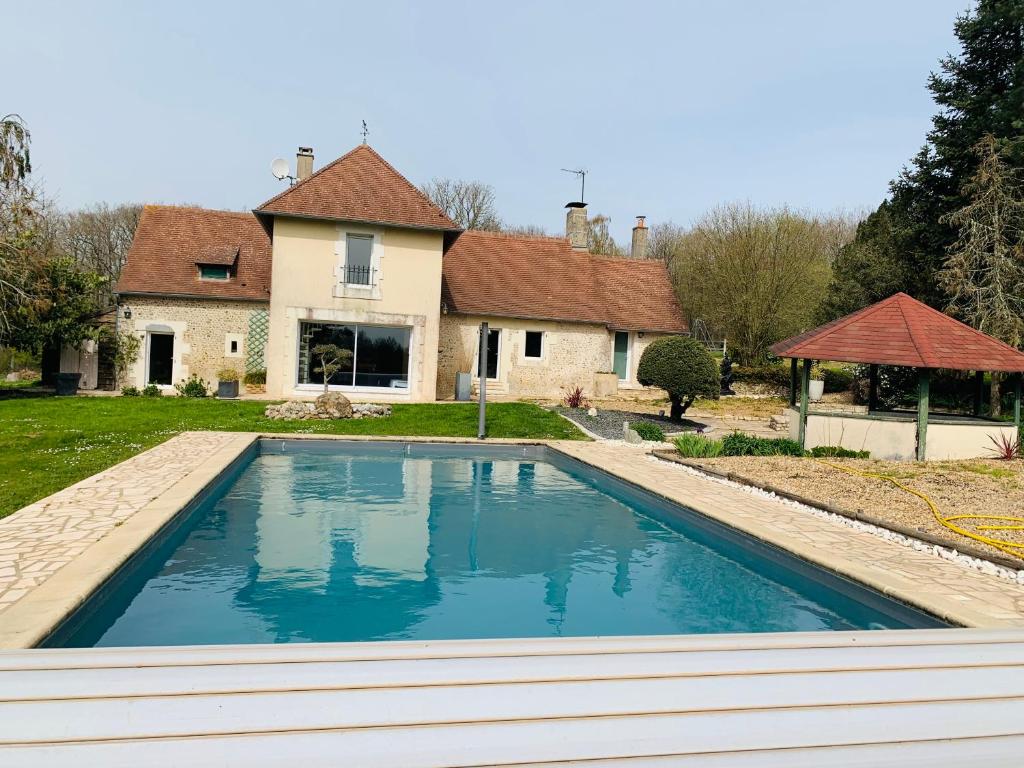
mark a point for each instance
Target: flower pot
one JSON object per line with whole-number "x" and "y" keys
{"x": 227, "y": 390}
{"x": 67, "y": 383}
{"x": 816, "y": 390}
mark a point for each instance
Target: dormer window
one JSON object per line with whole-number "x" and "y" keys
{"x": 217, "y": 263}
{"x": 213, "y": 272}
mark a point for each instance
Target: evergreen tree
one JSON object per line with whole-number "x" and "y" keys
{"x": 979, "y": 92}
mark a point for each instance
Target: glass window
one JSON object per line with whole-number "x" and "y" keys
{"x": 533, "y": 343}
{"x": 380, "y": 355}
{"x": 358, "y": 254}
{"x": 213, "y": 272}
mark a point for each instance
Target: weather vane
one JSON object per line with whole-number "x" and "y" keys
{"x": 365, "y": 131}
{"x": 583, "y": 181}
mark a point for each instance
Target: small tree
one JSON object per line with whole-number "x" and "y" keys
{"x": 332, "y": 359}
{"x": 683, "y": 368}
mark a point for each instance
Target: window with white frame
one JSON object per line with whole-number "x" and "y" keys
{"x": 358, "y": 260}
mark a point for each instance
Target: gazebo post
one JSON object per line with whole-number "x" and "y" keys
{"x": 805, "y": 386}
{"x": 979, "y": 388}
{"x": 792, "y": 382}
{"x": 923, "y": 388}
{"x": 1016, "y": 400}
{"x": 873, "y": 387}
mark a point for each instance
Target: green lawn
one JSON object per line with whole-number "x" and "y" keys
{"x": 49, "y": 443}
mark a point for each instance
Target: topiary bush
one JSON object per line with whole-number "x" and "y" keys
{"x": 648, "y": 431}
{"x": 684, "y": 368}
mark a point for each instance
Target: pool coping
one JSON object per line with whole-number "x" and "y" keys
{"x": 33, "y": 617}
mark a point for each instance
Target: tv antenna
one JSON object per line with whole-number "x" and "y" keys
{"x": 583, "y": 181}
{"x": 280, "y": 170}
{"x": 365, "y": 131}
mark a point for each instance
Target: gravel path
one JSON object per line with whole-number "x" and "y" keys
{"x": 608, "y": 423}
{"x": 982, "y": 486}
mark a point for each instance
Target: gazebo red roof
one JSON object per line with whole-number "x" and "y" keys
{"x": 903, "y": 331}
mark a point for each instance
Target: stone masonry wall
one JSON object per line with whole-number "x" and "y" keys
{"x": 571, "y": 354}
{"x": 203, "y": 330}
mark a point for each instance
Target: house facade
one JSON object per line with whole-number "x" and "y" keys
{"x": 355, "y": 255}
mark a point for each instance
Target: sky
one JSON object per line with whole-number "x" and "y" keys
{"x": 672, "y": 107}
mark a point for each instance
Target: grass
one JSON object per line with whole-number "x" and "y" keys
{"x": 22, "y": 384}
{"x": 49, "y": 443}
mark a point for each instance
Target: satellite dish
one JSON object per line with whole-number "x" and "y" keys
{"x": 279, "y": 168}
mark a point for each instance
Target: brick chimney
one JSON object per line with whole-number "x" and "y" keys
{"x": 304, "y": 163}
{"x": 576, "y": 228}
{"x": 639, "y": 247}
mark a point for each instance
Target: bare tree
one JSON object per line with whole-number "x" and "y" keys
{"x": 19, "y": 219}
{"x": 664, "y": 243}
{"x": 758, "y": 275}
{"x": 470, "y": 204}
{"x": 525, "y": 230}
{"x": 98, "y": 239}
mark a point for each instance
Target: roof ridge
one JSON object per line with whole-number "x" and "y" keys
{"x": 313, "y": 175}
{"x": 970, "y": 328}
{"x": 924, "y": 349}
{"x": 172, "y": 207}
{"x": 498, "y": 234}
{"x": 842, "y": 322}
{"x": 400, "y": 175}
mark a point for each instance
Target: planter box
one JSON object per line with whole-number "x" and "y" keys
{"x": 227, "y": 390}
{"x": 606, "y": 384}
{"x": 67, "y": 383}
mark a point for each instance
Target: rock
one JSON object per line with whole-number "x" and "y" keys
{"x": 333, "y": 405}
{"x": 12, "y": 377}
{"x": 630, "y": 435}
{"x": 592, "y": 412}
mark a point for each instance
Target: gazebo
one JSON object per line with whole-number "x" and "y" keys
{"x": 901, "y": 331}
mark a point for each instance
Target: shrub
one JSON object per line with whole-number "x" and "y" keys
{"x": 769, "y": 375}
{"x": 129, "y": 392}
{"x": 837, "y": 452}
{"x": 695, "y": 446}
{"x": 151, "y": 390}
{"x": 256, "y": 378}
{"x": 194, "y": 387}
{"x": 228, "y": 374}
{"x": 574, "y": 398}
{"x": 1006, "y": 448}
{"x": 683, "y": 367}
{"x": 837, "y": 379}
{"x": 648, "y": 431}
{"x": 740, "y": 444}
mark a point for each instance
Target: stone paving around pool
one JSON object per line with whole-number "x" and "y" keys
{"x": 40, "y": 539}
{"x": 55, "y": 552}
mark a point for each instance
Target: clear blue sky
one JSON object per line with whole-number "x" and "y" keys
{"x": 673, "y": 107}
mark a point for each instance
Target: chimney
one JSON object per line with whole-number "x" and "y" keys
{"x": 304, "y": 163}
{"x": 576, "y": 228}
{"x": 639, "y": 247}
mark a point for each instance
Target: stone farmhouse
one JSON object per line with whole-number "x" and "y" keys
{"x": 355, "y": 255}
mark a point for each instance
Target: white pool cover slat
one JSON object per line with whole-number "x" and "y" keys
{"x": 929, "y": 697}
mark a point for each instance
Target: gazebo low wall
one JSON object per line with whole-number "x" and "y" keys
{"x": 894, "y": 435}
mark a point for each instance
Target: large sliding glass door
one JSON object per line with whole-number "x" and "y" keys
{"x": 380, "y": 354}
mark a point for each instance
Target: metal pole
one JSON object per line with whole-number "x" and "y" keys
{"x": 924, "y": 385}
{"x": 481, "y": 430}
{"x": 1016, "y": 401}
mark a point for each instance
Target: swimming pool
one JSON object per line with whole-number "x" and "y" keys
{"x": 315, "y": 541}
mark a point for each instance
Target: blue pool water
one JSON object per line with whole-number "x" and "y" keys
{"x": 345, "y": 542}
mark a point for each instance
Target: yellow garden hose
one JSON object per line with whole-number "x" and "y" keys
{"x": 1005, "y": 523}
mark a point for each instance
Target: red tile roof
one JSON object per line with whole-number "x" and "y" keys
{"x": 488, "y": 273}
{"x": 359, "y": 186}
{"x": 170, "y": 241}
{"x": 903, "y": 331}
